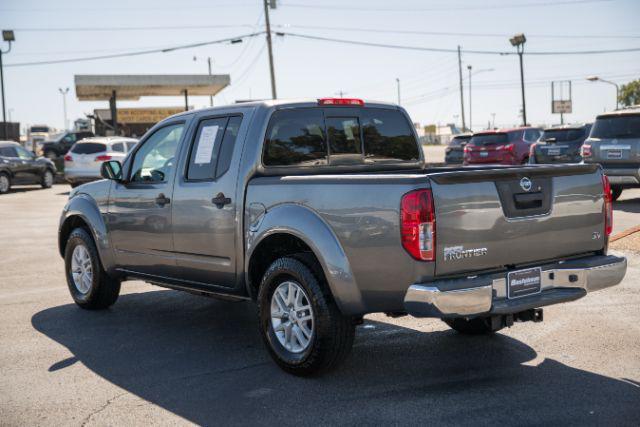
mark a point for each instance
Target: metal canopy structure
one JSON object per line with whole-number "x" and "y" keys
{"x": 132, "y": 87}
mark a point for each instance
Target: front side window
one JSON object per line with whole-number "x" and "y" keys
{"x": 388, "y": 136}
{"x": 155, "y": 160}
{"x": 296, "y": 138}
{"x": 344, "y": 140}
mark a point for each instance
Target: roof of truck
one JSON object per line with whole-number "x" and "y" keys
{"x": 622, "y": 112}
{"x": 268, "y": 103}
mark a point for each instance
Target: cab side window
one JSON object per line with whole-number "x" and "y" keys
{"x": 204, "y": 150}
{"x": 155, "y": 160}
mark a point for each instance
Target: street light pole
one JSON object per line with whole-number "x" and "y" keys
{"x": 518, "y": 41}
{"x": 470, "y": 116}
{"x": 7, "y": 36}
{"x": 64, "y": 105}
{"x": 398, "y": 83}
{"x": 210, "y": 96}
{"x": 598, "y": 79}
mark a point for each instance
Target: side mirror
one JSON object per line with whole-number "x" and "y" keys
{"x": 111, "y": 169}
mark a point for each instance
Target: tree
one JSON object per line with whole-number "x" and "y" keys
{"x": 630, "y": 93}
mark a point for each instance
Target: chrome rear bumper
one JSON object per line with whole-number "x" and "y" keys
{"x": 487, "y": 294}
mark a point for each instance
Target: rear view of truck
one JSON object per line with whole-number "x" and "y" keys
{"x": 509, "y": 241}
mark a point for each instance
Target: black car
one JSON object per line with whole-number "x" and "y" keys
{"x": 62, "y": 142}
{"x": 453, "y": 154}
{"x": 20, "y": 166}
{"x": 560, "y": 144}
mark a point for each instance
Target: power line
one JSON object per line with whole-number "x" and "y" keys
{"x": 447, "y": 50}
{"x": 138, "y": 53}
{"x": 98, "y": 29}
{"x": 456, "y": 34}
{"x": 441, "y": 9}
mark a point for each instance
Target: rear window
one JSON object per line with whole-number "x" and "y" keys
{"x": 562, "y": 134}
{"x": 88, "y": 148}
{"x": 626, "y": 126}
{"x": 459, "y": 140}
{"x": 42, "y": 129}
{"x": 296, "y": 138}
{"x": 387, "y": 136}
{"x": 305, "y": 137}
{"x": 489, "y": 139}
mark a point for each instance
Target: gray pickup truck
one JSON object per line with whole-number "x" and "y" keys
{"x": 323, "y": 211}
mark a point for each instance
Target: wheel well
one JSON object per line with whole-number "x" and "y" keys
{"x": 68, "y": 226}
{"x": 272, "y": 248}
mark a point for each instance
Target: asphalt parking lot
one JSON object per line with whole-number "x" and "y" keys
{"x": 165, "y": 357}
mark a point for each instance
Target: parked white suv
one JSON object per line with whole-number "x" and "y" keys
{"x": 82, "y": 162}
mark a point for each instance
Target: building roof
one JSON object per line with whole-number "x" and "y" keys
{"x": 133, "y": 86}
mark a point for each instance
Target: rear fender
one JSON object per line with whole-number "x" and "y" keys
{"x": 85, "y": 208}
{"x": 307, "y": 225}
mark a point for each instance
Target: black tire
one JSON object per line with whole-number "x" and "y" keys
{"x": 5, "y": 185}
{"x": 104, "y": 290}
{"x": 45, "y": 182}
{"x": 475, "y": 326}
{"x": 616, "y": 192}
{"x": 333, "y": 332}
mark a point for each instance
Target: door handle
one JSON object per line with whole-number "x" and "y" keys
{"x": 220, "y": 200}
{"x": 161, "y": 200}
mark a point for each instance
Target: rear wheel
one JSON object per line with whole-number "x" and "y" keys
{"x": 475, "y": 326}
{"x": 300, "y": 323}
{"x": 616, "y": 191}
{"x": 47, "y": 179}
{"x": 90, "y": 286}
{"x": 5, "y": 183}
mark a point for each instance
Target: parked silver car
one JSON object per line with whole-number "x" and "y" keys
{"x": 82, "y": 162}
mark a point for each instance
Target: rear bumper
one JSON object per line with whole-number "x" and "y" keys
{"x": 486, "y": 294}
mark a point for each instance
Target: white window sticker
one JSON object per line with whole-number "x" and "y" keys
{"x": 205, "y": 144}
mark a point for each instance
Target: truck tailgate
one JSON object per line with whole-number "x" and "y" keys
{"x": 487, "y": 219}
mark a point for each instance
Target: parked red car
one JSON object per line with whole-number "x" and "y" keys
{"x": 504, "y": 146}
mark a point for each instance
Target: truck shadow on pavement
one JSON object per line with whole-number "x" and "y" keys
{"x": 204, "y": 360}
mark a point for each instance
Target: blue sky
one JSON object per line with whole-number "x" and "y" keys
{"x": 309, "y": 68}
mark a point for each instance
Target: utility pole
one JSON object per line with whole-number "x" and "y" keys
{"x": 64, "y": 106}
{"x": 270, "y": 48}
{"x": 470, "y": 122}
{"x": 210, "y": 96}
{"x": 493, "y": 120}
{"x": 461, "y": 92}
{"x": 341, "y": 93}
{"x": 398, "y": 83}
{"x": 7, "y": 36}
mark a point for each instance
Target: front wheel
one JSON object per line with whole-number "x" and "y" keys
{"x": 47, "y": 179}
{"x": 616, "y": 192}
{"x": 89, "y": 284}
{"x": 300, "y": 323}
{"x": 475, "y": 326}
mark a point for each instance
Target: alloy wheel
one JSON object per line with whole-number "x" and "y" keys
{"x": 292, "y": 317}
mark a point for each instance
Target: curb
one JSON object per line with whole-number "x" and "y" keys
{"x": 624, "y": 233}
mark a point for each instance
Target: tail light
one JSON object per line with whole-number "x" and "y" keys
{"x": 418, "y": 224}
{"x": 340, "y": 101}
{"x": 608, "y": 206}
{"x": 586, "y": 150}
{"x": 467, "y": 149}
{"x": 68, "y": 158}
{"x": 102, "y": 158}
